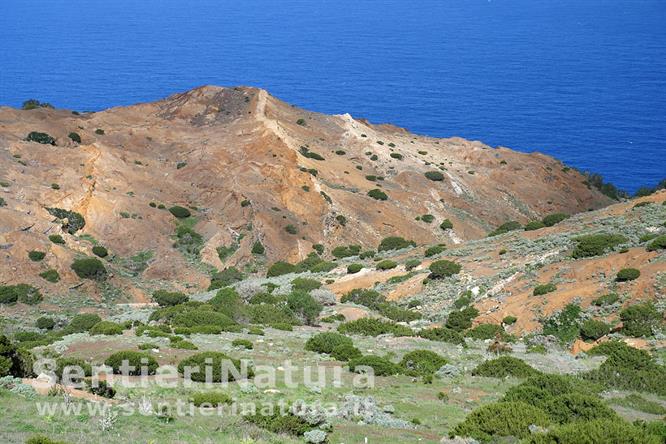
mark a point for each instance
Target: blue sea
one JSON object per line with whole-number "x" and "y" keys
{"x": 582, "y": 80}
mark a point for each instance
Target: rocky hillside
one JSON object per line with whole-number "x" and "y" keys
{"x": 253, "y": 171}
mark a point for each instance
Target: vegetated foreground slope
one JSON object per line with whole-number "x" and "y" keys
{"x": 261, "y": 180}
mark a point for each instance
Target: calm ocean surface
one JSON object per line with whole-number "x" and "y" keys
{"x": 582, "y": 80}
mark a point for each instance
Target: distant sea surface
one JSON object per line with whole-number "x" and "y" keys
{"x": 581, "y": 80}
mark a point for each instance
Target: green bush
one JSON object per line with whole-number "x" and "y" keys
{"x": 571, "y": 407}
{"x": 220, "y": 364}
{"x": 411, "y": 264}
{"x": 564, "y": 325}
{"x": 14, "y": 360}
{"x": 443, "y": 268}
{"x": 596, "y": 244}
{"x": 640, "y": 319}
{"x": 601, "y": 431}
{"x": 637, "y": 402}
{"x": 83, "y": 322}
{"x": 76, "y": 366}
{"x": 362, "y": 296}
{"x": 381, "y": 366}
{"x": 41, "y": 439}
{"x": 36, "y": 256}
{"x": 291, "y": 229}
{"x": 464, "y": 300}
{"x": 45, "y": 323}
{"x": 627, "y": 274}
{"x": 505, "y": 228}
{"x": 89, "y": 268}
{"x": 180, "y": 212}
{"x": 485, "y": 331}
{"x": 304, "y": 306}
{"x": 422, "y": 362}
{"x": 133, "y": 358}
{"x": 2, "y": 202}
{"x": 210, "y": 399}
{"x": 442, "y": 334}
{"x": 354, "y": 268}
{"x": 279, "y": 268}
{"x": 100, "y": 251}
{"x": 544, "y": 289}
{"x": 592, "y": 329}
{"x": 505, "y": 366}
{"x": 305, "y": 284}
{"x": 56, "y": 239}
{"x": 346, "y": 251}
{"x": 461, "y": 320}
{"x": 377, "y": 194}
{"x": 24, "y": 293}
{"x": 386, "y": 264}
{"x": 394, "y": 243}
{"x": 106, "y": 328}
{"x": 182, "y": 344}
{"x": 446, "y": 225}
{"x": 71, "y": 220}
{"x": 42, "y": 138}
{"x": 197, "y": 317}
{"x": 434, "y": 250}
{"x": 373, "y": 327}
{"x": 271, "y": 315}
{"x": 501, "y": 419}
{"x": 427, "y": 218}
{"x": 258, "y": 248}
{"x": 50, "y": 275}
{"x": 509, "y": 320}
{"x": 169, "y": 298}
{"x": 607, "y": 299}
{"x": 534, "y": 225}
{"x": 224, "y": 278}
{"x": 75, "y": 137}
{"x": 345, "y": 352}
{"x": 243, "y": 343}
{"x": 327, "y": 341}
{"x": 658, "y": 243}
{"x": 288, "y": 424}
{"x": 553, "y": 219}
{"x": 310, "y": 154}
{"x": 434, "y": 176}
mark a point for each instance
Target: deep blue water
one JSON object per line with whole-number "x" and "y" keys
{"x": 582, "y": 80}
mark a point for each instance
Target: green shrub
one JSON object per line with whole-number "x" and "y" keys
{"x": 271, "y": 315}
{"x": 505, "y": 366}
{"x": 373, "y": 327}
{"x": 596, "y": 244}
{"x": 501, "y": 419}
{"x": 422, "y": 362}
{"x": 2, "y": 202}
{"x": 319, "y": 248}
{"x": 75, "y": 365}
{"x": 75, "y": 137}
{"x": 443, "y": 268}
{"x": 434, "y": 176}
{"x": 592, "y": 329}
{"x": 394, "y": 243}
{"x": 89, "y": 268}
{"x": 210, "y": 399}
{"x": 553, "y": 219}
{"x": 346, "y": 251}
{"x": 42, "y": 138}
{"x": 446, "y": 225}
{"x": 461, "y": 320}
{"x": 505, "y": 228}
{"x": 485, "y": 331}
{"x": 658, "y": 243}
{"x": 377, "y": 194}
{"x": 180, "y": 212}
{"x": 14, "y": 360}
{"x": 354, "y": 268}
{"x": 607, "y": 299}
{"x": 327, "y": 341}
{"x": 169, "y": 298}
{"x": 442, "y": 334}
{"x": 243, "y": 343}
{"x": 386, "y": 264}
{"x": 24, "y": 293}
{"x": 544, "y": 289}
{"x": 509, "y": 320}
{"x": 279, "y": 268}
{"x": 627, "y": 274}
{"x": 288, "y": 424}
{"x": 534, "y": 225}
{"x": 224, "y": 278}
{"x": 255, "y": 331}
{"x": 310, "y": 154}
{"x": 134, "y": 359}
{"x": 410, "y": 264}
{"x": 396, "y": 313}
{"x": 427, "y": 218}
{"x": 380, "y": 366}
{"x": 601, "y": 431}
{"x": 564, "y": 325}
{"x": 36, "y": 256}
{"x": 83, "y": 322}
{"x": 640, "y": 319}
{"x": 345, "y": 352}
{"x": 71, "y": 220}
{"x": 42, "y": 439}
{"x": 362, "y": 296}
{"x": 305, "y": 284}
{"x": 434, "y": 250}
{"x": 220, "y": 364}
{"x": 637, "y": 402}
{"x": 304, "y": 306}
{"x": 100, "y": 251}
{"x": 45, "y": 323}
{"x": 258, "y": 248}
{"x": 99, "y": 131}
{"x": 291, "y": 229}
{"x": 366, "y": 254}
{"x": 193, "y": 318}
{"x": 56, "y": 239}
{"x": 106, "y": 328}
{"x": 284, "y": 326}
{"x": 464, "y": 300}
